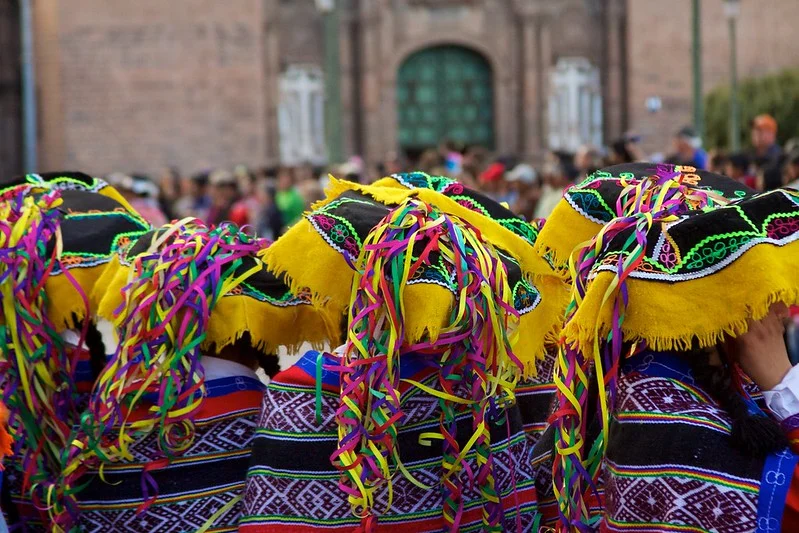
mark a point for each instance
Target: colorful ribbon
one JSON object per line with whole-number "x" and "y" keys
{"x": 642, "y": 204}
{"x": 476, "y": 367}
{"x": 154, "y": 381}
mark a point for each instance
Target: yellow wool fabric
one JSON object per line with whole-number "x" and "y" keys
{"x": 669, "y": 316}
{"x": 564, "y": 230}
{"x": 306, "y": 261}
{"x": 65, "y": 305}
{"x": 234, "y": 315}
{"x": 491, "y": 231}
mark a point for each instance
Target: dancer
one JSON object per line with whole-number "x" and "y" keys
{"x": 166, "y": 440}
{"x": 662, "y": 301}
{"x": 408, "y": 341}
{"x": 53, "y": 248}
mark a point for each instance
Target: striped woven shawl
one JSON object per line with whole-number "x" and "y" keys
{"x": 292, "y": 485}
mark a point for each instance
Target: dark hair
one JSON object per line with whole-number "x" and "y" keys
{"x": 740, "y": 160}
{"x": 269, "y": 363}
{"x": 201, "y": 179}
{"x": 719, "y": 160}
{"x": 753, "y": 434}
{"x": 619, "y": 147}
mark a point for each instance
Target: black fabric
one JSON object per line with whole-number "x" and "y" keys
{"x": 175, "y": 479}
{"x": 261, "y": 281}
{"x": 316, "y": 452}
{"x": 94, "y": 235}
{"x": 705, "y": 238}
{"x": 535, "y": 404}
{"x": 634, "y": 444}
{"x": 58, "y": 180}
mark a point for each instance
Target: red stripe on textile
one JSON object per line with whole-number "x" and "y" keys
{"x": 790, "y": 516}
{"x": 235, "y": 401}
{"x": 212, "y": 407}
{"x": 299, "y": 377}
{"x": 430, "y": 524}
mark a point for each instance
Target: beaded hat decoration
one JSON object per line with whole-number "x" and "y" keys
{"x": 471, "y": 350}
{"x": 52, "y": 249}
{"x": 675, "y": 269}
{"x": 61, "y": 181}
{"x": 178, "y": 292}
{"x": 320, "y": 251}
{"x": 261, "y": 299}
{"x": 591, "y": 204}
{"x": 468, "y": 198}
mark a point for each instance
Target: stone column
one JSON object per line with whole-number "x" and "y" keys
{"x": 614, "y": 104}
{"x": 271, "y": 67}
{"x": 530, "y": 71}
{"x": 371, "y": 47}
{"x": 544, "y": 66}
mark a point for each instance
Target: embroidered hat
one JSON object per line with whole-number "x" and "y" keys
{"x": 594, "y": 202}
{"x": 680, "y": 266}
{"x": 320, "y": 252}
{"x": 61, "y": 181}
{"x": 53, "y": 249}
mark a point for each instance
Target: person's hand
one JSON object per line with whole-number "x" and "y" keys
{"x": 761, "y": 351}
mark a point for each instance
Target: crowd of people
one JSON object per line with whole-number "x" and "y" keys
{"x": 596, "y": 344}
{"x": 269, "y": 200}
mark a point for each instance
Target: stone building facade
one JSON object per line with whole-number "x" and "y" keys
{"x": 199, "y": 83}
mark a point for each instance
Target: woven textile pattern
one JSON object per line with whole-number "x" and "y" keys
{"x": 187, "y": 498}
{"x": 697, "y": 480}
{"x": 284, "y": 493}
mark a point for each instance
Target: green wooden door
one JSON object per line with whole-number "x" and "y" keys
{"x": 445, "y": 92}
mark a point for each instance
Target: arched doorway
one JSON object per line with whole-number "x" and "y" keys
{"x": 445, "y": 92}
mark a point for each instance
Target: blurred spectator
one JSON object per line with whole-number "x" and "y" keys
{"x": 737, "y": 168}
{"x": 451, "y": 154}
{"x": 767, "y": 155}
{"x": 169, "y": 183}
{"x": 430, "y": 161}
{"x": 557, "y": 177}
{"x": 791, "y": 176}
{"x": 688, "y": 149}
{"x": 587, "y": 160}
{"x": 194, "y": 200}
{"x": 224, "y": 195}
{"x": 309, "y": 186}
{"x": 491, "y": 181}
{"x": 288, "y": 199}
{"x": 350, "y": 171}
{"x": 717, "y": 162}
{"x": 394, "y": 164}
{"x": 142, "y": 194}
{"x": 523, "y": 180}
{"x": 621, "y": 152}
{"x": 269, "y": 223}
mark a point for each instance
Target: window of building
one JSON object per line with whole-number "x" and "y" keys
{"x": 301, "y": 115}
{"x": 575, "y": 105}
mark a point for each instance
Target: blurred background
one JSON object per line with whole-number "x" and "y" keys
{"x": 238, "y": 109}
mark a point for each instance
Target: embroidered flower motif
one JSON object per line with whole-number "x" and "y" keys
{"x": 667, "y": 256}
{"x": 782, "y": 227}
{"x": 339, "y": 233}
